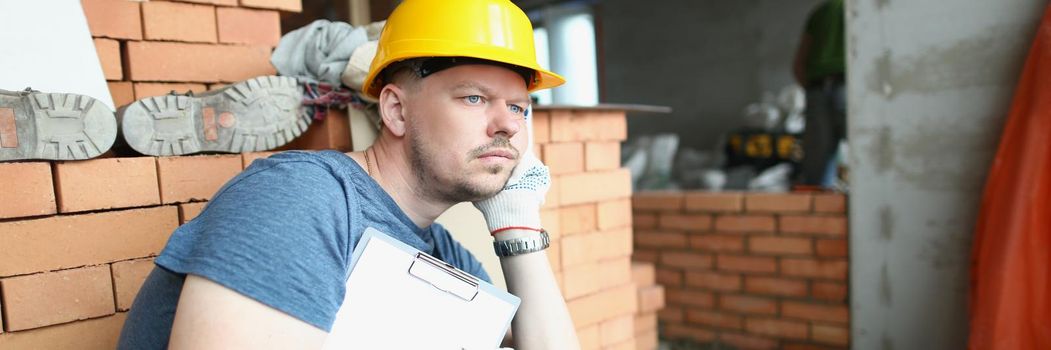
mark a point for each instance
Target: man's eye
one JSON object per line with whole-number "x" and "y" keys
{"x": 473, "y": 99}
{"x": 516, "y": 109}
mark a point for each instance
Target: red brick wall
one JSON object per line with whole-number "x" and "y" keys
{"x": 754, "y": 271}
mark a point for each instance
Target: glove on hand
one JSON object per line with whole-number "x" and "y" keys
{"x": 518, "y": 204}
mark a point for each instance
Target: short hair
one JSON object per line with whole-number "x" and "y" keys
{"x": 411, "y": 71}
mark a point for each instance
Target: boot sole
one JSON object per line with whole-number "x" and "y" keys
{"x": 54, "y": 126}
{"x": 258, "y": 114}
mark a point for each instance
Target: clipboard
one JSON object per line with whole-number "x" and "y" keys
{"x": 398, "y": 297}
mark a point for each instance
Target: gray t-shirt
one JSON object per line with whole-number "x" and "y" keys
{"x": 282, "y": 233}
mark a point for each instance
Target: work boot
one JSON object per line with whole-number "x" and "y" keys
{"x": 53, "y": 126}
{"x": 258, "y": 114}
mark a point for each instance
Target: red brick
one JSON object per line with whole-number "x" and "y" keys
{"x": 816, "y": 312}
{"x": 828, "y": 334}
{"x": 592, "y": 277}
{"x": 686, "y": 260}
{"x": 554, "y": 257}
{"x": 108, "y": 51}
{"x": 283, "y": 5}
{"x": 780, "y": 245}
{"x": 28, "y": 190}
{"x": 646, "y": 321}
{"x": 628, "y": 344}
{"x": 97, "y": 333}
{"x": 106, "y": 183}
{"x": 679, "y": 331}
{"x": 714, "y": 319}
{"x": 651, "y": 298}
{"x": 778, "y": 202}
{"x": 690, "y": 222}
{"x": 333, "y": 132}
{"x": 717, "y": 243}
{"x": 248, "y": 158}
{"x": 824, "y": 225}
{"x": 584, "y": 248}
{"x": 589, "y": 337}
{"x": 645, "y": 255}
{"x": 747, "y": 264}
{"x": 659, "y": 239}
{"x": 182, "y": 62}
{"x": 609, "y": 303}
{"x": 34, "y": 301}
{"x": 127, "y": 279}
{"x": 643, "y": 274}
{"x": 564, "y": 158}
{"x": 831, "y": 203}
{"x": 647, "y": 340}
{"x": 831, "y": 269}
{"x": 601, "y": 155}
{"x": 670, "y": 315}
{"x": 835, "y": 248}
{"x": 775, "y": 286}
{"x": 614, "y": 214}
{"x": 579, "y": 125}
{"x": 776, "y": 328}
{"x": 541, "y": 127}
{"x": 85, "y": 239}
{"x": 594, "y": 186}
{"x": 185, "y": 179}
{"x": 669, "y": 277}
{"x": 162, "y": 20}
{"x": 714, "y": 201}
{"x": 552, "y": 200}
{"x": 658, "y": 200}
{"x": 748, "y": 304}
{"x": 747, "y": 341}
{"x": 123, "y": 92}
{"x": 214, "y": 2}
{"x": 688, "y": 297}
{"x": 113, "y": 18}
{"x": 744, "y": 223}
{"x": 144, "y": 90}
{"x": 578, "y": 218}
{"x": 644, "y": 221}
{"x": 617, "y": 330}
{"x": 714, "y": 281}
{"x": 830, "y": 291}
{"x": 246, "y": 26}
{"x": 188, "y": 211}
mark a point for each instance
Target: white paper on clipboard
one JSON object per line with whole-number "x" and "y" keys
{"x": 400, "y": 298}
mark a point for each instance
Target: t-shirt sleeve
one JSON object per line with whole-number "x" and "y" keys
{"x": 278, "y": 235}
{"x": 455, "y": 254}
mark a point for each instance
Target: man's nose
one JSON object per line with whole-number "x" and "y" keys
{"x": 503, "y": 121}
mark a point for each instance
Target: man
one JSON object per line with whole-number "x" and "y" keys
{"x": 820, "y": 66}
{"x": 264, "y": 265}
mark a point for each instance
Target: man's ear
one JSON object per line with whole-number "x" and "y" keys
{"x": 392, "y": 109}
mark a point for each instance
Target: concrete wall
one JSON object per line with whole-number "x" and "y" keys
{"x": 705, "y": 58}
{"x": 929, "y": 87}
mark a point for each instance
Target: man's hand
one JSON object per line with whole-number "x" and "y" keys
{"x": 517, "y": 206}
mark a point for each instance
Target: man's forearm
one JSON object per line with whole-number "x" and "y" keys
{"x": 542, "y": 321}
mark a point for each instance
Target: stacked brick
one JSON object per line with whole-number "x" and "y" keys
{"x": 752, "y": 271}
{"x": 651, "y": 300}
{"x": 79, "y": 238}
{"x": 588, "y": 214}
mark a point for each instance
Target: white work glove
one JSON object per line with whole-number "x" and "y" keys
{"x": 517, "y": 206}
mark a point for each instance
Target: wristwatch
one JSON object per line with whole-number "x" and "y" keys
{"x": 523, "y": 245}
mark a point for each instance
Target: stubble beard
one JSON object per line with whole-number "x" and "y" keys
{"x": 460, "y": 189}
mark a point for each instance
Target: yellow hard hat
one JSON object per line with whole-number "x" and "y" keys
{"x": 493, "y": 30}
